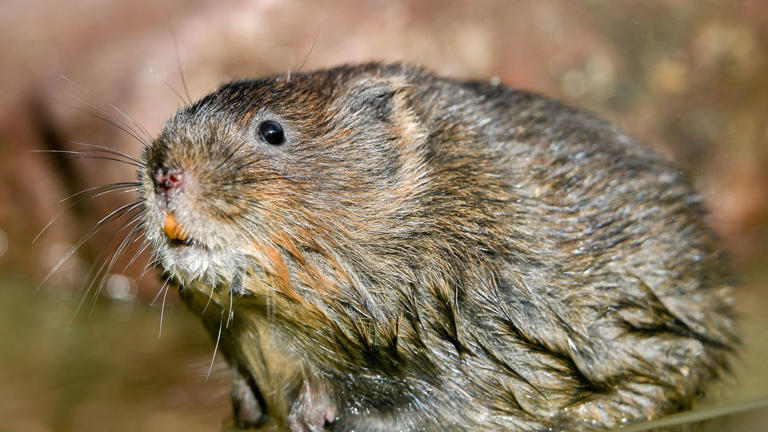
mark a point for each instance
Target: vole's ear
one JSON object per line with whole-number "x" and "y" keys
{"x": 377, "y": 96}
{"x": 381, "y": 102}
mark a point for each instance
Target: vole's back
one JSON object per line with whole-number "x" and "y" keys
{"x": 611, "y": 287}
{"x": 601, "y": 297}
{"x": 429, "y": 254}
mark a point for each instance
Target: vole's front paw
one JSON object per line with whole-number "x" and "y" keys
{"x": 312, "y": 411}
{"x": 246, "y": 403}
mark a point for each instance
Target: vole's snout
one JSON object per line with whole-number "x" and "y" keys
{"x": 167, "y": 180}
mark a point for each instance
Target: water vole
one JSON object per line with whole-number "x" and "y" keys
{"x": 377, "y": 248}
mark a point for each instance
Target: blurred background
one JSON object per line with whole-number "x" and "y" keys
{"x": 688, "y": 77}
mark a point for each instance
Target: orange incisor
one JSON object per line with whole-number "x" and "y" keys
{"x": 173, "y": 229}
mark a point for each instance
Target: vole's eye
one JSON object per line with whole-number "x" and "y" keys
{"x": 271, "y": 132}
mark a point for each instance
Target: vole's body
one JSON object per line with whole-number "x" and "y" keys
{"x": 427, "y": 254}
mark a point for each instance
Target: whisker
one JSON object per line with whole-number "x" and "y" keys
{"x": 108, "y": 150}
{"x": 138, "y": 126}
{"x": 134, "y": 233}
{"x": 157, "y": 296}
{"x": 81, "y": 155}
{"x": 151, "y": 263}
{"x": 210, "y": 297}
{"x": 312, "y": 47}
{"x": 267, "y": 301}
{"x": 117, "y": 155}
{"x": 148, "y": 267}
{"x": 162, "y": 312}
{"x": 242, "y": 226}
{"x": 103, "y": 190}
{"x": 117, "y": 213}
{"x": 231, "y": 313}
{"x": 144, "y": 247}
{"x": 216, "y": 347}
{"x": 699, "y": 415}
{"x": 109, "y": 158}
{"x": 176, "y": 92}
{"x": 102, "y": 114}
{"x": 115, "y": 257}
{"x": 94, "y": 276}
{"x": 124, "y": 208}
{"x": 178, "y": 61}
{"x": 105, "y": 118}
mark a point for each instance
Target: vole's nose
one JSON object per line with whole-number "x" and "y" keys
{"x": 167, "y": 180}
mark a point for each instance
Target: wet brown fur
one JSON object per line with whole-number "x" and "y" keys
{"x": 430, "y": 254}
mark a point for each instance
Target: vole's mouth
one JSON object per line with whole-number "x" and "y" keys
{"x": 181, "y": 243}
{"x": 189, "y": 257}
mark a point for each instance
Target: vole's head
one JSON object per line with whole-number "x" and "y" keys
{"x": 279, "y": 164}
